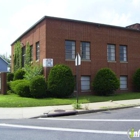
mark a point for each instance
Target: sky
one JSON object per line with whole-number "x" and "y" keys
{"x": 17, "y": 16}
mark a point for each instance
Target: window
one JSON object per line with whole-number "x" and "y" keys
{"x": 31, "y": 53}
{"x": 23, "y": 56}
{"x": 111, "y": 52}
{"x": 70, "y": 49}
{"x": 85, "y": 50}
{"x": 37, "y": 51}
{"x": 123, "y": 53}
{"x": 85, "y": 83}
{"x": 123, "y": 82}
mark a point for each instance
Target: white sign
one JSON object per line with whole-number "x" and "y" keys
{"x": 48, "y": 62}
{"x": 77, "y": 62}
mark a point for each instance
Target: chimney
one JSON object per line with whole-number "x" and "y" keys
{"x": 134, "y": 26}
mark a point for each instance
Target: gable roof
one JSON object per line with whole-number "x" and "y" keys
{"x": 4, "y": 60}
{"x": 72, "y": 20}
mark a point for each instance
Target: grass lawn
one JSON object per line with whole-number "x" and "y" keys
{"x": 13, "y": 100}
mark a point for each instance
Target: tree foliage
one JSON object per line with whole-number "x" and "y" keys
{"x": 61, "y": 81}
{"x": 17, "y": 56}
{"x": 28, "y": 54}
{"x": 5, "y": 58}
{"x": 105, "y": 82}
{"x": 32, "y": 70}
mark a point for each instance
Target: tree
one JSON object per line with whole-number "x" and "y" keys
{"x": 105, "y": 82}
{"x": 61, "y": 81}
{"x": 32, "y": 70}
{"x": 8, "y": 59}
{"x": 4, "y": 56}
{"x": 28, "y": 54}
{"x": 17, "y": 56}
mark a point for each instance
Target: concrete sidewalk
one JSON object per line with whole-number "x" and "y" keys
{"x": 50, "y": 111}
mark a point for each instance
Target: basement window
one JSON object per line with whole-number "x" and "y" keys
{"x": 85, "y": 83}
{"x": 123, "y": 82}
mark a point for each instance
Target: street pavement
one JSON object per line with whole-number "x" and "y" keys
{"x": 50, "y": 111}
{"x": 106, "y": 125}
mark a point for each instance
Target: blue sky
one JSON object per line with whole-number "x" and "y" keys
{"x": 16, "y": 16}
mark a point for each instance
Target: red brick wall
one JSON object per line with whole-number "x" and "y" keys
{"x": 99, "y": 36}
{"x": 38, "y": 33}
{"x": 52, "y": 34}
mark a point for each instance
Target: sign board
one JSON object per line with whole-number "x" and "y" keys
{"x": 77, "y": 60}
{"x": 48, "y": 62}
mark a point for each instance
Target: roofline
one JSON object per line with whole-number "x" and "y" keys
{"x": 4, "y": 60}
{"x": 73, "y": 20}
{"x": 29, "y": 29}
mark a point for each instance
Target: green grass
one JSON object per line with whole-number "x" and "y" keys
{"x": 13, "y": 100}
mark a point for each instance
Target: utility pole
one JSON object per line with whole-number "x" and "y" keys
{"x": 77, "y": 64}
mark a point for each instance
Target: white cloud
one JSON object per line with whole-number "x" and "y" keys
{"x": 4, "y": 36}
{"x": 136, "y": 3}
{"x": 23, "y": 14}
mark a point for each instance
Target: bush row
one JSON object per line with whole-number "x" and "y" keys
{"x": 61, "y": 83}
{"x": 35, "y": 88}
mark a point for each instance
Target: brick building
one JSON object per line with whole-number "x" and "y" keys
{"x": 99, "y": 45}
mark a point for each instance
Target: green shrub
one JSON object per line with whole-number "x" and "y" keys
{"x": 8, "y": 86}
{"x": 105, "y": 82}
{"x": 32, "y": 71}
{"x": 61, "y": 81}
{"x": 13, "y": 84}
{"x": 38, "y": 87}
{"x": 22, "y": 89}
{"x": 136, "y": 79}
{"x": 10, "y": 76}
{"x": 19, "y": 74}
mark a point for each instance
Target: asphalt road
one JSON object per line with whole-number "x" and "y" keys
{"x": 107, "y": 125}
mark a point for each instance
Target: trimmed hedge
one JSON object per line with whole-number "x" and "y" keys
{"x": 105, "y": 82}
{"x": 38, "y": 87}
{"x": 19, "y": 74}
{"x": 136, "y": 79}
{"x": 61, "y": 81}
{"x": 13, "y": 84}
{"x": 22, "y": 89}
{"x": 10, "y": 77}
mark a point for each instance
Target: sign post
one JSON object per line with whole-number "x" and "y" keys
{"x": 47, "y": 63}
{"x": 77, "y": 64}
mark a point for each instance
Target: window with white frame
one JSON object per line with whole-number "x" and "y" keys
{"x": 37, "y": 51}
{"x": 85, "y": 83}
{"x": 123, "y": 53}
{"x": 70, "y": 49}
{"x": 85, "y": 50}
{"x": 111, "y": 52}
{"x": 123, "y": 82}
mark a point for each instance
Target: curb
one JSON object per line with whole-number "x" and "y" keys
{"x": 78, "y": 112}
{"x": 59, "y": 114}
{"x": 100, "y": 110}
